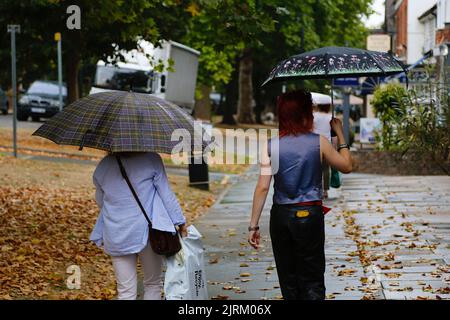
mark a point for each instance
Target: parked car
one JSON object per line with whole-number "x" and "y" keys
{"x": 3, "y": 102}
{"x": 41, "y": 100}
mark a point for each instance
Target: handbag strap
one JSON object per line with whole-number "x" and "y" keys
{"x": 125, "y": 176}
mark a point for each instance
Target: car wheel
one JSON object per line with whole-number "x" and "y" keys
{"x": 22, "y": 117}
{"x": 35, "y": 118}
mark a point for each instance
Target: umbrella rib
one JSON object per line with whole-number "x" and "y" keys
{"x": 111, "y": 104}
{"x": 376, "y": 62}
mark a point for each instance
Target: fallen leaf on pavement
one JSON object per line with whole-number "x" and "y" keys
{"x": 346, "y": 272}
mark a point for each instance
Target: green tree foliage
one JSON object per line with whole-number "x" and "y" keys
{"x": 339, "y": 22}
{"x": 261, "y": 33}
{"x": 225, "y": 30}
{"x": 103, "y": 23}
{"x": 237, "y": 38}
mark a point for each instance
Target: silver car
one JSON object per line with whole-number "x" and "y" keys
{"x": 41, "y": 100}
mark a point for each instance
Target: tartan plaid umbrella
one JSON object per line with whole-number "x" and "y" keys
{"x": 118, "y": 121}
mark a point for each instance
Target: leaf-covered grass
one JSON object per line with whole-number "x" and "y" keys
{"x": 47, "y": 211}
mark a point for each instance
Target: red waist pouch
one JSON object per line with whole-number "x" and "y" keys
{"x": 315, "y": 203}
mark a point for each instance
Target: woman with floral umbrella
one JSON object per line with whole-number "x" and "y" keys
{"x": 294, "y": 160}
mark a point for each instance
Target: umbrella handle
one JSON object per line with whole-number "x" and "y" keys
{"x": 332, "y": 100}
{"x": 84, "y": 139}
{"x": 333, "y": 134}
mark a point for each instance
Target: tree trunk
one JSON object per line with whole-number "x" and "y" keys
{"x": 245, "y": 114}
{"x": 258, "y": 112}
{"x": 73, "y": 64}
{"x": 202, "y": 108}
{"x": 228, "y": 114}
{"x": 259, "y": 106}
{"x": 231, "y": 96}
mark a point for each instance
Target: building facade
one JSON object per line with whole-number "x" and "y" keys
{"x": 409, "y": 34}
{"x": 417, "y": 26}
{"x": 420, "y": 33}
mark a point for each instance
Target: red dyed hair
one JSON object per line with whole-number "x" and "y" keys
{"x": 295, "y": 114}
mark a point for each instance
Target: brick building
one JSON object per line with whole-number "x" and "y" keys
{"x": 417, "y": 27}
{"x": 401, "y": 29}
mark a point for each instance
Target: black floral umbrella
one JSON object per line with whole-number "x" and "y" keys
{"x": 335, "y": 62}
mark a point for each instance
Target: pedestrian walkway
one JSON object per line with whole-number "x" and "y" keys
{"x": 401, "y": 226}
{"x": 386, "y": 238}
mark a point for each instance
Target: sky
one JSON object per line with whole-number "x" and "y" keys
{"x": 376, "y": 19}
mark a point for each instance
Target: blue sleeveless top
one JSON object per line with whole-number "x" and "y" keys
{"x": 299, "y": 174}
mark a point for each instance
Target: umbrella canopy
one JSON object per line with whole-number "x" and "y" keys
{"x": 335, "y": 62}
{"x": 118, "y": 121}
{"x": 320, "y": 98}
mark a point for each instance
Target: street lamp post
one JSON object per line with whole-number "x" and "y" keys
{"x": 58, "y": 40}
{"x": 13, "y": 29}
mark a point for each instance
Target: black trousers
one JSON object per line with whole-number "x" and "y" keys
{"x": 298, "y": 245}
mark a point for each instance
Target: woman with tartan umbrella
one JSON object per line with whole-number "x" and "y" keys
{"x": 121, "y": 229}
{"x": 132, "y": 128}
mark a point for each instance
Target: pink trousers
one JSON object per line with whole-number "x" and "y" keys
{"x": 125, "y": 268}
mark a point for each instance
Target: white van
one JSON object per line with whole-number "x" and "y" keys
{"x": 138, "y": 74}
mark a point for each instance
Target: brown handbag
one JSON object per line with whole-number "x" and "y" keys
{"x": 162, "y": 242}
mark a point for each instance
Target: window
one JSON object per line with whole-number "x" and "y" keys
{"x": 114, "y": 78}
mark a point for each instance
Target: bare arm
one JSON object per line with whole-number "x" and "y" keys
{"x": 341, "y": 160}
{"x": 259, "y": 198}
{"x": 334, "y": 142}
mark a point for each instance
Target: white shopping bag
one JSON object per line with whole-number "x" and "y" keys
{"x": 185, "y": 276}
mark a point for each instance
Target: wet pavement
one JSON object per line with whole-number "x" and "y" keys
{"x": 401, "y": 226}
{"x": 386, "y": 238}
